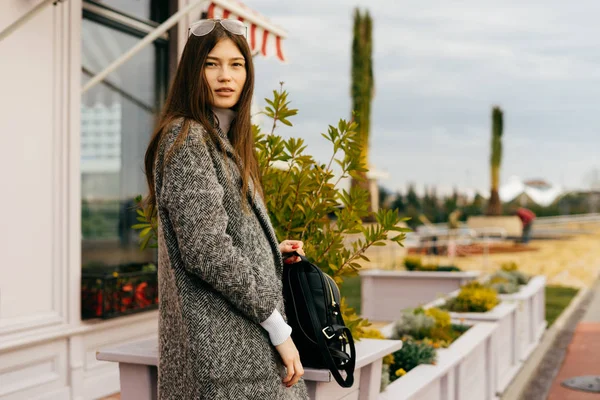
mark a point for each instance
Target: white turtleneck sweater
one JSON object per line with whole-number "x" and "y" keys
{"x": 224, "y": 118}
{"x": 275, "y": 325}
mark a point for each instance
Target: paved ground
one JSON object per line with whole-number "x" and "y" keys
{"x": 583, "y": 354}
{"x": 593, "y": 312}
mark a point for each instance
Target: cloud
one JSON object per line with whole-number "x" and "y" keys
{"x": 439, "y": 67}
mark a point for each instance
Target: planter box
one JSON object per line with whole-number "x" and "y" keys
{"x": 506, "y": 338}
{"x": 531, "y": 314}
{"x": 108, "y": 292}
{"x": 386, "y": 293}
{"x": 464, "y": 371}
{"x": 138, "y": 371}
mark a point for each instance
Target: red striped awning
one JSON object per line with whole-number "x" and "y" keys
{"x": 265, "y": 39}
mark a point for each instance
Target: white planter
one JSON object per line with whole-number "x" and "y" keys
{"x": 506, "y": 338}
{"x": 464, "y": 371}
{"x": 367, "y": 374}
{"x": 531, "y": 314}
{"x": 386, "y": 293}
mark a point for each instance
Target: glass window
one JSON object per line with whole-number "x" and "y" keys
{"x": 117, "y": 119}
{"x": 142, "y": 9}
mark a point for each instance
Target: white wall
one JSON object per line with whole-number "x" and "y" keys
{"x": 46, "y": 352}
{"x": 36, "y": 126}
{"x": 39, "y": 122}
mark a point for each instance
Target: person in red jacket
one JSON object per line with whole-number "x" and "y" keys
{"x": 527, "y": 217}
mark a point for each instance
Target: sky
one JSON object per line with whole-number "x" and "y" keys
{"x": 439, "y": 68}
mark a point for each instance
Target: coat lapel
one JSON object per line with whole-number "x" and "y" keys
{"x": 258, "y": 207}
{"x": 263, "y": 216}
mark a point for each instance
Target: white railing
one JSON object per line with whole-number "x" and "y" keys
{"x": 566, "y": 219}
{"x": 445, "y": 237}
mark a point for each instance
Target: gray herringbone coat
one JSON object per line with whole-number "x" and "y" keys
{"x": 219, "y": 277}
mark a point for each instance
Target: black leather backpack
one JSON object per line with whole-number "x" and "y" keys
{"x": 312, "y": 305}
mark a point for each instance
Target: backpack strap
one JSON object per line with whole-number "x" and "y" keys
{"x": 320, "y": 336}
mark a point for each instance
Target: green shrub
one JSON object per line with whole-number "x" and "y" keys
{"x": 509, "y": 266}
{"x": 385, "y": 377}
{"x": 447, "y": 268}
{"x": 441, "y": 317}
{"x": 411, "y": 354}
{"x": 504, "y": 282}
{"x": 412, "y": 263}
{"x": 521, "y": 278}
{"x": 504, "y": 287}
{"x": 513, "y": 269}
{"x": 432, "y": 325}
{"x": 427, "y": 267}
{"x": 416, "y": 325}
{"x": 473, "y": 297}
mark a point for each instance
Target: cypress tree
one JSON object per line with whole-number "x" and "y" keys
{"x": 362, "y": 89}
{"x": 494, "y": 205}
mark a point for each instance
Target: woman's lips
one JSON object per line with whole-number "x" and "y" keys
{"x": 225, "y": 92}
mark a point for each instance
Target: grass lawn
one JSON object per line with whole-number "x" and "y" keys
{"x": 350, "y": 289}
{"x": 557, "y": 297}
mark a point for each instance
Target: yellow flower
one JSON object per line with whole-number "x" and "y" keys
{"x": 400, "y": 372}
{"x": 442, "y": 318}
{"x": 372, "y": 333}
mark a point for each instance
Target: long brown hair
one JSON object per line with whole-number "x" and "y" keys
{"x": 190, "y": 98}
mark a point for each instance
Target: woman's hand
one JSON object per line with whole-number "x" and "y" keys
{"x": 291, "y": 360}
{"x": 289, "y": 246}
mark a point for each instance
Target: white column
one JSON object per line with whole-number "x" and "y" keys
{"x": 39, "y": 280}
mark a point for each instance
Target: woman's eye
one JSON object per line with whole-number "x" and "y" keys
{"x": 238, "y": 64}
{"x": 210, "y": 64}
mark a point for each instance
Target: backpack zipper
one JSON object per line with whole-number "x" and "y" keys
{"x": 330, "y": 289}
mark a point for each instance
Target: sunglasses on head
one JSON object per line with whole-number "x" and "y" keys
{"x": 206, "y": 26}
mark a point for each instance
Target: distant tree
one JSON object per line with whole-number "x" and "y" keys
{"x": 475, "y": 207}
{"x": 398, "y": 204}
{"x": 384, "y": 196}
{"x": 450, "y": 204}
{"x": 494, "y": 205}
{"x": 430, "y": 205}
{"x": 412, "y": 199}
{"x": 362, "y": 90}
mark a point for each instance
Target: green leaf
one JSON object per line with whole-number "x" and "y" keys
{"x": 144, "y": 242}
{"x": 140, "y": 226}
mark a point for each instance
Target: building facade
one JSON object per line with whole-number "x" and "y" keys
{"x": 72, "y": 164}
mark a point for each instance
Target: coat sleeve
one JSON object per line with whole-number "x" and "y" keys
{"x": 193, "y": 198}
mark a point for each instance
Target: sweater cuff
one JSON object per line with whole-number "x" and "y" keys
{"x": 278, "y": 329}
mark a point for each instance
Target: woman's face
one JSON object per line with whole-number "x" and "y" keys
{"x": 225, "y": 71}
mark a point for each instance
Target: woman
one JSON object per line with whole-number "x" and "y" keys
{"x": 221, "y": 330}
